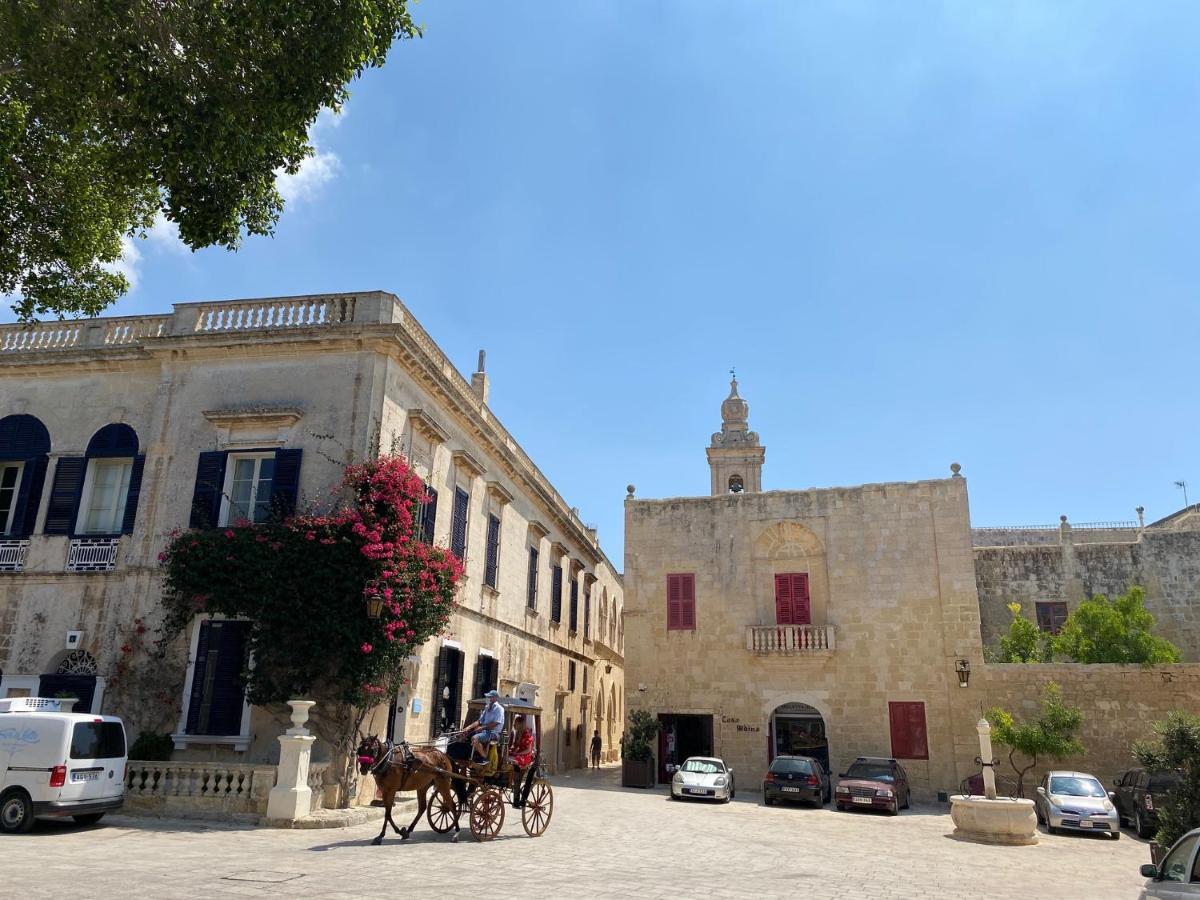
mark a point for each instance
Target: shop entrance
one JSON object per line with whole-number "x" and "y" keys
{"x": 679, "y": 737}
{"x": 797, "y": 729}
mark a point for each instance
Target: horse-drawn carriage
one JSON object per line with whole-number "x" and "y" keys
{"x": 485, "y": 789}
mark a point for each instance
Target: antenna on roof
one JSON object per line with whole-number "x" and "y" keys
{"x": 1182, "y": 485}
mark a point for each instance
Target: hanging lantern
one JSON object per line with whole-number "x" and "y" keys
{"x": 374, "y": 607}
{"x": 963, "y": 668}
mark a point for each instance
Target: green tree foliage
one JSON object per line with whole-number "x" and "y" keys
{"x": 1024, "y": 643}
{"x": 1052, "y": 735}
{"x": 1176, "y": 750}
{"x": 1100, "y": 630}
{"x": 639, "y": 734}
{"x": 305, "y": 583}
{"x": 111, "y": 112}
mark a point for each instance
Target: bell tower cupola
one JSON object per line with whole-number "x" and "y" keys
{"x": 735, "y": 456}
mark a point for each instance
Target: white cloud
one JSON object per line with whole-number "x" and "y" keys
{"x": 164, "y": 235}
{"x": 127, "y": 263}
{"x": 317, "y": 170}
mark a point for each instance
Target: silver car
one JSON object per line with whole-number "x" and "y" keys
{"x": 1177, "y": 877}
{"x": 1075, "y": 801}
{"x": 703, "y": 776}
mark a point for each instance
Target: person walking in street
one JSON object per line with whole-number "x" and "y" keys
{"x": 596, "y": 745}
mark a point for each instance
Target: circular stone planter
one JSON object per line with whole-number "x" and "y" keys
{"x": 1000, "y": 821}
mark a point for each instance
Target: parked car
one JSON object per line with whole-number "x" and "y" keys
{"x": 1075, "y": 801}
{"x": 703, "y": 776}
{"x": 797, "y": 778}
{"x": 55, "y": 764}
{"x": 1177, "y": 877}
{"x": 873, "y": 783}
{"x": 1138, "y": 794}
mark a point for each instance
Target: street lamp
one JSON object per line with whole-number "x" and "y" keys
{"x": 374, "y": 607}
{"x": 963, "y": 668}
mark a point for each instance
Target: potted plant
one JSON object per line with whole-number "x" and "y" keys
{"x": 637, "y": 755}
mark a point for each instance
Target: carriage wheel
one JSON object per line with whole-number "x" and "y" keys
{"x": 441, "y": 817}
{"x": 487, "y": 814}
{"x": 538, "y": 809}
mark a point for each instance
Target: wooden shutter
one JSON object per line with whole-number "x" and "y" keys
{"x": 439, "y": 682}
{"x": 206, "y": 495}
{"x": 909, "y": 737}
{"x": 681, "y": 602}
{"x": 64, "y": 495}
{"x": 491, "y": 567}
{"x": 454, "y": 674}
{"x": 429, "y": 515}
{"x": 458, "y": 524}
{"x": 199, "y": 670}
{"x": 556, "y": 594}
{"x": 587, "y": 615}
{"x": 135, "y": 492}
{"x": 29, "y": 496}
{"x": 801, "y": 604}
{"x": 783, "y": 600}
{"x": 285, "y": 483}
{"x": 478, "y": 690}
{"x": 532, "y": 583}
{"x": 228, "y": 682}
{"x": 574, "y": 616}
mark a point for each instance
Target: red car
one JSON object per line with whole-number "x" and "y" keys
{"x": 873, "y": 783}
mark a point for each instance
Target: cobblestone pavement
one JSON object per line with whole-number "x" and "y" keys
{"x": 603, "y": 842}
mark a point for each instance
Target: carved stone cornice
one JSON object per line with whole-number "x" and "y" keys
{"x": 426, "y": 426}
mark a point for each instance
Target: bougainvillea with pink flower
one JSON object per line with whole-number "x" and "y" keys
{"x": 305, "y": 583}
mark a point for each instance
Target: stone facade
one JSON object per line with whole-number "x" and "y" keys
{"x": 1068, "y": 564}
{"x": 890, "y": 585}
{"x": 339, "y": 378}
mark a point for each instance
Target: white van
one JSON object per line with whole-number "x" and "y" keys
{"x": 55, "y": 764}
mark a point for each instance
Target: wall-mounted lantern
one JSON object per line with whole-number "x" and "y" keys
{"x": 374, "y": 607}
{"x": 963, "y": 668}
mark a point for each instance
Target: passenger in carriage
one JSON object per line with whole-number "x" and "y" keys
{"x": 520, "y": 755}
{"x": 486, "y": 729}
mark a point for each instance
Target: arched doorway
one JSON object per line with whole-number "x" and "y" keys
{"x": 797, "y": 729}
{"x": 74, "y": 675}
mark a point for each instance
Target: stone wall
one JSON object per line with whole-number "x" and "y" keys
{"x": 1120, "y": 706}
{"x": 1165, "y": 562}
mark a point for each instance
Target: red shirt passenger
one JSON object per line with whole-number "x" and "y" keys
{"x": 521, "y": 749}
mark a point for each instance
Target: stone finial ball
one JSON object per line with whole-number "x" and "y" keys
{"x": 955, "y": 468}
{"x": 1062, "y": 519}
{"x": 629, "y": 489}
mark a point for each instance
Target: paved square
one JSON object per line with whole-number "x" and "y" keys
{"x": 603, "y": 842}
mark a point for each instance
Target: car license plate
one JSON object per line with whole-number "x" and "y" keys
{"x": 862, "y": 799}
{"x": 700, "y": 791}
{"x": 1085, "y": 823}
{"x": 792, "y": 790}
{"x": 84, "y": 776}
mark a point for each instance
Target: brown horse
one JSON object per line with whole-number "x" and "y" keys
{"x": 428, "y": 768}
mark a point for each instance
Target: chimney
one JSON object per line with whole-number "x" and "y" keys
{"x": 479, "y": 381}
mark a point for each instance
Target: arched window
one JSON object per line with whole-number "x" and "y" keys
{"x": 735, "y": 484}
{"x": 24, "y": 454}
{"x": 97, "y": 494}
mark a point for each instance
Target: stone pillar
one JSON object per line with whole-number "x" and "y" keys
{"x": 291, "y": 798}
{"x": 985, "y": 754}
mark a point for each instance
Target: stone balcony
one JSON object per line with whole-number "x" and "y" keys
{"x": 790, "y": 640}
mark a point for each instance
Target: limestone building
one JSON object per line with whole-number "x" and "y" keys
{"x": 846, "y": 622}
{"x": 115, "y": 431}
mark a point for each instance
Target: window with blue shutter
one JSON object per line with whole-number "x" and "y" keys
{"x": 112, "y": 476}
{"x": 24, "y": 454}
{"x": 206, "y": 496}
{"x": 531, "y": 586}
{"x": 458, "y": 524}
{"x": 218, "y": 683}
{"x": 491, "y": 566}
{"x": 587, "y": 615}
{"x": 556, "y": 578}
{"x": 574, "y": 623}
{"x": 135, "y": 492}
{"x": 427, "y": 516}
{"x": 447, "y": 691}
{"x": 65, "y": 492}
{"x": 285, "y": 484}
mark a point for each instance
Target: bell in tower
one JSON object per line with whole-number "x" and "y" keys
{"x": 735, "y": 456}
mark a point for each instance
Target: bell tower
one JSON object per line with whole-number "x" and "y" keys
{"x": 735, "y": 457}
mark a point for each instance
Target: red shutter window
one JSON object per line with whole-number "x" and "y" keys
{"x": 681, "y": 602}
{"x": 910, "y": 740}
{"x": 792, "y": 603}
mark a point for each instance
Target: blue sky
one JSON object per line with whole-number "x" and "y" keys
{"x": 923, "y": 232}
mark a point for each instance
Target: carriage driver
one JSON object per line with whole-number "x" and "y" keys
{"x": 486, "y": 729}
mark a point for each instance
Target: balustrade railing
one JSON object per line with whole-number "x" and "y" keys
{"x": 789, "y": 639}
{"x": 13, "y": 555}
{"x": 40, "y": 336}
{"x": 93, "y": 554}
{"x": 316, "y": 783}
{"x": 185, "y": 788}
{"x": 298, "y": 312}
